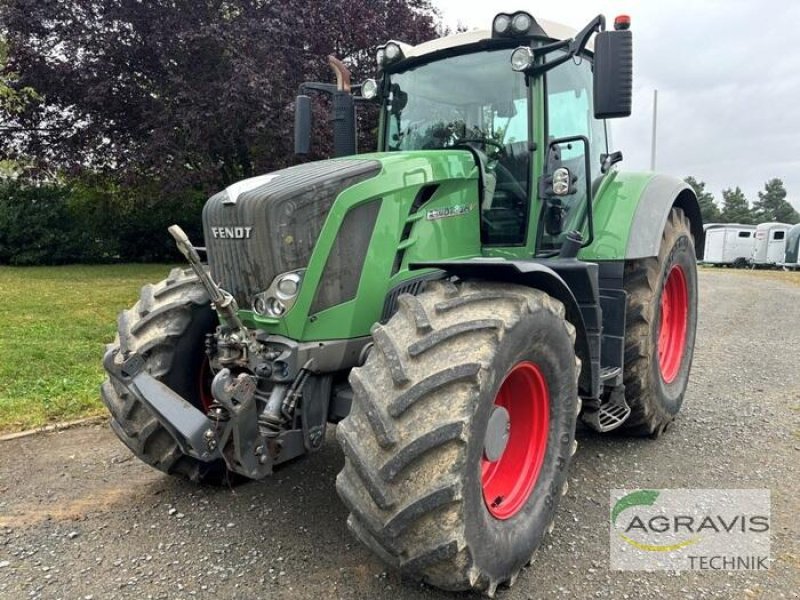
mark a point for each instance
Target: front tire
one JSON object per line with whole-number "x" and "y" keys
{"x": 660, "y": 329}
{"x": 167, "y": 327}
{"x": 425, "y": 491}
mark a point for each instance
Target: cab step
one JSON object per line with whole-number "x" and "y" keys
{"x": 611, "y": 414}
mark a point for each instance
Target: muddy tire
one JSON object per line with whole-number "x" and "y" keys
{"x": 428, "y": 489}
{"x": 660, "y": 329}
{"x": 167, "y": 327}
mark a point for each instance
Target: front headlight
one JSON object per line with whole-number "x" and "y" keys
{"x": 276, "y": 300}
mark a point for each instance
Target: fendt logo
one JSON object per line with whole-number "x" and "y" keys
{"x": 231, "y": 233}
{"x": 690, "y": 529}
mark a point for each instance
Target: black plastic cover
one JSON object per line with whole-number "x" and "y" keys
{"x": 613, "y": 74}
{"x": 302, "y": 125}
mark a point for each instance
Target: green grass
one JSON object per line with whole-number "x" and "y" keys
{"x": 54, "y": 323}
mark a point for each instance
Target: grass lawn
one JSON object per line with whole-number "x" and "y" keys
{"x": 54, "y": 322}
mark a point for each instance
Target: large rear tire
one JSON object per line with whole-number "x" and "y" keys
{"x": 167, "y": 327}
{"x": 461, "y": 433}
{"x": 660, "y": 329}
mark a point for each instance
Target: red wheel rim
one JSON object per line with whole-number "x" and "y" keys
{"x": 508, "y": 481}
{"x": 673, "y": 324}
{"x": 204, "y": 385}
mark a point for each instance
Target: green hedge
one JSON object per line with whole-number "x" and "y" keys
{"x": 54, "y": 224}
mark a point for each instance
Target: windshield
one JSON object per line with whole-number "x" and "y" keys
{"x": 473, "y": 100}
{"x": 463, "y": 98}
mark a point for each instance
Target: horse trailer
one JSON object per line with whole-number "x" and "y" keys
{"x": 770, "y": 244}
{"x": 729, "y": 244}
{"x": 791, "y": 258}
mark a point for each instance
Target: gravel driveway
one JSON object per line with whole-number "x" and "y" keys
{"x": 80, "y": 518}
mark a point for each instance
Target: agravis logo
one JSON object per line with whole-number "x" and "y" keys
{"x": 646, "y": 498}
{"x": 690, "y": 529}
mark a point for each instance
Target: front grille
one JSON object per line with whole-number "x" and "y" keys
{"x": 286, "y": 214}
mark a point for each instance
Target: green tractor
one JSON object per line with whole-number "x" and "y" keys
{"x": 455, "y": 302}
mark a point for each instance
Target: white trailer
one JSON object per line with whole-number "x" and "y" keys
{"x": 770, "y": 244}
{"x": 729, "y": 244}
{"x": 791, "y": 256}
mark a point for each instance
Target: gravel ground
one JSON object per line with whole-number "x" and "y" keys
{"x": 80, "y": 518}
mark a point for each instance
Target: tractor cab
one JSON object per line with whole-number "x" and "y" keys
{"x": 525, "y": 103}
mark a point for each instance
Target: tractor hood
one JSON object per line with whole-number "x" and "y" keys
{"x": 271, "y": 224}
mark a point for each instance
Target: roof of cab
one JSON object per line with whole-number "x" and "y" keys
{"x": 554, "y": 31}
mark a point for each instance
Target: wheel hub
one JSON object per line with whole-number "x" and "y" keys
{"x": 496, "y": 434}
{"x": 515, "y": 442}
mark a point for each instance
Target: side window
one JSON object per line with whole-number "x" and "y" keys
{"x": 744, "y": 234}
{"x": 778, "y": 235}
{"x": 570, "y": 112}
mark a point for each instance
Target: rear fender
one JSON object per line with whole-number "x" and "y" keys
{"x": 631, "y": 211}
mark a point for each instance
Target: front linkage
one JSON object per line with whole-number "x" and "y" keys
{"x": 252, "y": 422}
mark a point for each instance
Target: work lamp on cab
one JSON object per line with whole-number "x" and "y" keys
{"x": 519, "y": 24}
{"x": 501, "y": 24}
{"x": 522, "y": 58}
{"x": 369, "y": 89}
{"x": 393, "y": 52}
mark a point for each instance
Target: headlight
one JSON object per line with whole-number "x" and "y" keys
{"x": 276, "y": 300}
{"x": 369, "y": 89}
{"x": 521, "y": 58}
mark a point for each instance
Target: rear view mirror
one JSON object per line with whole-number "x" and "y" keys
{"x": 302, "y": 125}
{"x": 613, "y": 74}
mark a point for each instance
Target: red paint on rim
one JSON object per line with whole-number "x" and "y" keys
{"x": 204, "y": 385}
{"x": 508, "y": 482}
{"x": 673, "y": 324}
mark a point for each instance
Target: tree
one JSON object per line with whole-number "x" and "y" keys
{"x": 184, "y": 93}
{"x": 735, "y": 208}
{"x": 708, "y": 208}
{"x": 772, "y": 204}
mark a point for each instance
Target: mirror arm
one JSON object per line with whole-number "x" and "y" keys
{"x": 574, "y": 47}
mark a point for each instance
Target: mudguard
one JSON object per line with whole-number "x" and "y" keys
{"x": 630, "y": 212}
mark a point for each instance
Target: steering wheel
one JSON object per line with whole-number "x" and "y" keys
{"x": 485, "y": 141}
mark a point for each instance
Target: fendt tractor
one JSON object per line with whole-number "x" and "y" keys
{"x": 454, "y": 302}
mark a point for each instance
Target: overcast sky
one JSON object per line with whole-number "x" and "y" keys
{"x": 728, "y": 80}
